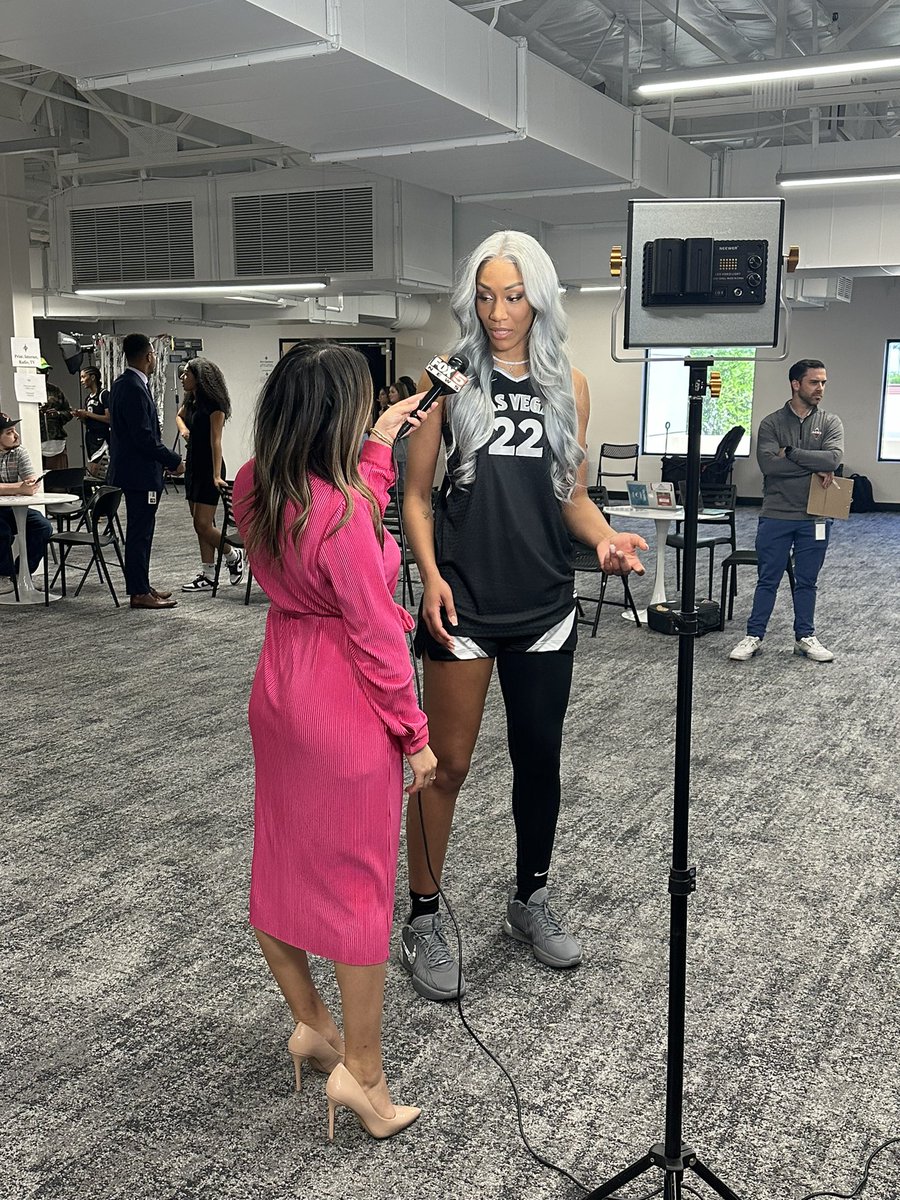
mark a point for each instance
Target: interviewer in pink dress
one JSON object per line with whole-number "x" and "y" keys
{"x": 332, "y": 711}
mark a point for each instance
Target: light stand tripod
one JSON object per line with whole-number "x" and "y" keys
{"x": 673, "y": 1156}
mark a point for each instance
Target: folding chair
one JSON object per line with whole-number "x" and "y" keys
{"x": 233, "y": 539}
{"x": 101, "y": 511}
{"x": 585, "y": 560}
{"x": 619, "y": 453}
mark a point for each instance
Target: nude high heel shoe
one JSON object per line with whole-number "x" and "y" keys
{"x": 343, "y": 1089}
{"x": 305, "y": 1044}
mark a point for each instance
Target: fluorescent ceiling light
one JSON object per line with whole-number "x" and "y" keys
{"x": 606, "y": 287}
{"x": 204, "y": 289}
{"x": 277, "y": 301}
{"x": 815, "y": 67}
{"x": 826, "y": 178}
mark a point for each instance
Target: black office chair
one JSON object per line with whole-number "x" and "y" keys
{"x": 101, "y": 532}
{"x": 711, "y": 532}
{"x": 718, "y": 471}
{"x": 619, "y": 454}
{"x": 584, "y": 559}
{"x": 232, "y": 538}
{"x": 742, "y": 558}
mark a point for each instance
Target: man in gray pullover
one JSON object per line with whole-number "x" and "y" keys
{"x": 792, "y": 445}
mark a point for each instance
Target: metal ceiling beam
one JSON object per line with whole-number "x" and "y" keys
{"x": 766, "y": 8}
{"x": 112, "y": 166}
{"x": 72, "y": 102}
{"x": 33, "y": 145}
{"x": 780, "y": 28}
{"x": 114, "y": 117}
{"x": 30, "y": 105}
{"x": 589, "y": 66}
{"x": 543, "y": 12}
{"x": 552, "y": 53}
{"x": 484, "y": 5}
{"x": 697, "y": 34}
{"x": 852, "y": 33}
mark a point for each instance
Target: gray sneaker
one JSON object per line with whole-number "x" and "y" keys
{"x": 746, "y": 648}
{"x": 424, "y": 953}
{"x": 811, "y": 647}
{"x": 536, "y": 924}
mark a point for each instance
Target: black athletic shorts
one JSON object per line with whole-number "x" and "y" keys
{"x": 562, "y": 636}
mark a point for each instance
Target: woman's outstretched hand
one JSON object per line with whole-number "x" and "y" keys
{"x": 617, "y": 555}
{"x": 424, "y": 767}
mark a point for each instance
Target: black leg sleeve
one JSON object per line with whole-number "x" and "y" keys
{"x": 536, "y": 694}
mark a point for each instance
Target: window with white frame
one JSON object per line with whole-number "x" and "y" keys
{"x": 889, "y": 441}
{"x": 666, "y": 403}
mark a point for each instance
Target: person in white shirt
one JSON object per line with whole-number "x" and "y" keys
{"x": 17, "y": 478}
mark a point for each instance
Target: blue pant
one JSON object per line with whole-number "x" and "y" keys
{"x": 37, "y": 533}
{"x": 139, "y": 528}
{"x": 774, "y": 542}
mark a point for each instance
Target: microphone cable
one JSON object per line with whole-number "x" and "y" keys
{"x": 858, "y": 1190}
{"x": 544, "y": 1162}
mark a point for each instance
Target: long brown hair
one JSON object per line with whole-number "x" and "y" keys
{"x": 310, "y": 420}
{"x": 210, "y": 385}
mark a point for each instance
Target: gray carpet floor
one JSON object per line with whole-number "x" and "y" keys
{"x": 143, "y": 1042}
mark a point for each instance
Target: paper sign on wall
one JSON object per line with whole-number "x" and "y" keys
{"x": 26, "y": 352}
{"x": 31, "y": 389}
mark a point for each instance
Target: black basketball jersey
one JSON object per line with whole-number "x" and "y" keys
{"x": 500, "y": 541}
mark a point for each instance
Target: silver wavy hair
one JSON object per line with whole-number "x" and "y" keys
{"x": 470, "y": 413}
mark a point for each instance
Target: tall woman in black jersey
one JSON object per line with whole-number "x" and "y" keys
{"x": 497, "y": 569}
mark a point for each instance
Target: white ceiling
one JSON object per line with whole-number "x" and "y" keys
{"x": 420, "y": 71}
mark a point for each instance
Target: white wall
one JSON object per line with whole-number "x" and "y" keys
{"x": 849, "y": 338}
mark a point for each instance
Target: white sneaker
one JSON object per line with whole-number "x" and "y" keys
{"x": 746, "y": 648}
{"x": 811, "y": 647}
{"x": 200, "y": 584}
{"x": 6, "y": 585}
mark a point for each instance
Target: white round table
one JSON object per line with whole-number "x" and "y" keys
{"x": 662, "y": 517}
{"x": 28, "y": 593}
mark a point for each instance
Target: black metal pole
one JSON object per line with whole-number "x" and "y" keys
{"x": 673, "y": 1156}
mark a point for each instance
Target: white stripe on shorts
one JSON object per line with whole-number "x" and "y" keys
{"x": 464, "y": 648}
{"x": 555, "y": 637}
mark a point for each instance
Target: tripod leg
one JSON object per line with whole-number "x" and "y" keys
{"x": 618, "y": 1181}
{"x": 720, "y": 1188}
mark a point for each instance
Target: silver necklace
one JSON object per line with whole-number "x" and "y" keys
{"x": 507, "y": 362}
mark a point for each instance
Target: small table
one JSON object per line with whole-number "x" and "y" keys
{"x": 28, "y": 593}
{"x": 663, "y": 517}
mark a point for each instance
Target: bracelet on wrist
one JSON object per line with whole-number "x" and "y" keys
{"x": 382, "y": 437}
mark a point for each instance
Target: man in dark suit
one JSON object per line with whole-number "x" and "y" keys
{"x": 137, "y": 457}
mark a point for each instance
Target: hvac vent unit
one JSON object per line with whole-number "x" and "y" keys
{"x": 328, "y": 231}
{"x": 132, "y": 243}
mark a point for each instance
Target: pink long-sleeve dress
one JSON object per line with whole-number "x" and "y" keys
{"x": 332, "y": 711}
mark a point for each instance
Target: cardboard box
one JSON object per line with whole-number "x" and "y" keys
{"x": 832, "y": 501}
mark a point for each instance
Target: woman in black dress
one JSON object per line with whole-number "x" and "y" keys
{"x": 203, "y": 414}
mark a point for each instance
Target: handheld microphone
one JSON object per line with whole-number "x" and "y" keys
{"x": 447, "y": 377}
